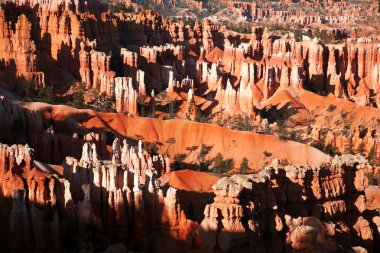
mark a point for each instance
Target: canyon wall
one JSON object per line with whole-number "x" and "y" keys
{"x": 363, "y": 141}
{"x": 124, "y": 198}
{"x": 304, "y": 12}
{"x": 71, "y": 44}
{"x": 292, "y": 208}
{"x": 20, "y": 126}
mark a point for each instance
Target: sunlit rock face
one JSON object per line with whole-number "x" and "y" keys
{"x": 60, "y": 36}
{"x": 120, "y": 196}
{"x": 18, "y": 52}
{"x": 291, "y": 207}
{"x": 365, "y": 142}
{"x": 302, "y": 13}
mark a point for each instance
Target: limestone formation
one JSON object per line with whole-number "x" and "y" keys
{"x": 267, "y": 196}
{"x": 126, "y": 96}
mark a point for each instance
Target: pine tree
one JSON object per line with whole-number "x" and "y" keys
{"x": 218, "y": 163}
{"x": 244, "y": 166}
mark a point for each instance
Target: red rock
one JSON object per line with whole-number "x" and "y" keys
{"x": 126, "y": 96}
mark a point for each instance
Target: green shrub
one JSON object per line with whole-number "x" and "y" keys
{"x": 46, "y": 94}
{"x": 267, "y": 153}
{"x": 241, "y": 123}
{"x": 151, "y": 148}
{"x": 244, "y": 166}
{"x": 221, "y": 165}
{"x": 200, "y": 117}
{"x": 331, "y": 108}
{"x": 373, "y": 179}
{"x": 178, "y": 161}
{"x": 298, "y": 35}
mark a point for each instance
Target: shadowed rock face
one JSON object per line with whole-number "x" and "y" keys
{"x": 282, "y": 208}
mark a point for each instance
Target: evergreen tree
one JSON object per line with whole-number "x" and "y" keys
{"x": 244, "y": 166}
{"x": 218, "y": 163}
